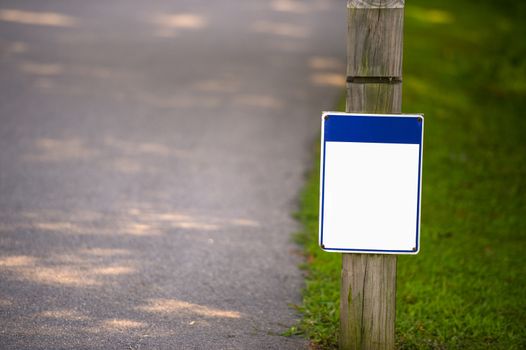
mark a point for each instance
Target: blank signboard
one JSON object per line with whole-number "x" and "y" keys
{"x": 371, "y": 168}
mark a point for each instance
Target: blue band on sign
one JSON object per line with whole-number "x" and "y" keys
{"x": 344, "y": 128}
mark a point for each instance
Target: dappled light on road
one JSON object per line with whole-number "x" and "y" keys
{"x": 70, "y": 270}
{"x": 57, "y": 150}
{"x": 170, "y": 306}
{"x": 41, "y": 68}
{"x": 147, "y": 148}
{"x": 244, "y": 222}
{"x": 113, "y": 270}
{"x": 182, "y": 20}
{"x": 258, "y": 101}
{"x": 84, "y": 71}
{"x": 139, "y": 229}
{"x": 299, "y": 7}
{"x": 293, "y": 6}
{"x": 122, "y": 324}
{"x": 133, "y": 221}
{"x": 129, "y": 166}
{"x": 57, "y": 226}
{"x": 113, "y": 154}
{"x": 169, "y": 24}
{"x": 62, "y": 269}
{"x": 188, "y": 221}
{"x": 59, "y": 275}
{"x": 15, "y": 261}
{"x": 280, "y": 29}
{"x": 328, "y": 79}
{"x": 324, "y": 62}
{"x": 53, "y": 19}
{"x": 104, "y": 252}
{"x": 326, "y": 71}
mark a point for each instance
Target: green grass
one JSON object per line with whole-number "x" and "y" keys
{"x": 465, "y": 68}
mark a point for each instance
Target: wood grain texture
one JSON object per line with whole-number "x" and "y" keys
{"x": 374, "y": 98}
{"x": 368, "y": 293}
{"x": 374, "y": 46}
{"x": 371, "y": 4}
{"x": 368, "y": 281}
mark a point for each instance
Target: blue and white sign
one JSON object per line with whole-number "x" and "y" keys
{"x": 371, "y": 180}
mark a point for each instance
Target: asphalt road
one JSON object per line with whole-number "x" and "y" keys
{"x": 151, "y": 154}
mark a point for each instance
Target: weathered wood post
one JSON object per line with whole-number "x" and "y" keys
{"x": 374, "y": 85}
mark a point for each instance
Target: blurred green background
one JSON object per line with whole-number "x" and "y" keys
{"x": 465, "y": 69}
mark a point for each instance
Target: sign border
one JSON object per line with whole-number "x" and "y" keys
{"x": 416, "y": 249}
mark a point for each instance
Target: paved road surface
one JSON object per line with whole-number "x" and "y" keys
{"x": 151, "y": 153}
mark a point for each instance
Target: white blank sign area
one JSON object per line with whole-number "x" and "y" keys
{"x": 370, "y": 196}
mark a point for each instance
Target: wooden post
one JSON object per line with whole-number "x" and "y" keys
{"x": 374, "y": 85}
